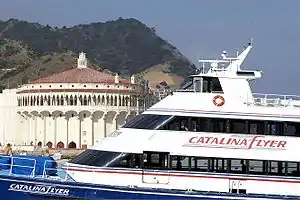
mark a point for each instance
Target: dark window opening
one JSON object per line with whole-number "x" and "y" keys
{"x": 211, "y": 85}
{"x": 107, "y": 159}
{"x": 255, "y": 167}
{"x": 291, "y": 129}
{"x": 219, "y": 125}
{"x": 177, "y": 124}
{"x": 274, "y": 128}
{"x": 237, "y": 126}
{"x": 180, "y": 163}
{"x": 256, "y": 127}
{"x": 146, "y": 121}
{"x": 245, "y": 73}
{"x": 189, "y": 85}
{"x": 155, "y": 160}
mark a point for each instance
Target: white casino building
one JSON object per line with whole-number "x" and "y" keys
{"x": 72, "y": 109}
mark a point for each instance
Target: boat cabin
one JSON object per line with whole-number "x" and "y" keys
{"x": 213, "y": 128}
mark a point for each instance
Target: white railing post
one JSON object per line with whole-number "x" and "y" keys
{"x": 33, "y": 171}
{"x": 66, "y": 176}
{"x": 285, "y": 101}
{"x": 11, "y": 165}
{"x": 44, "y": 170}
{"x": 265, "y": 101}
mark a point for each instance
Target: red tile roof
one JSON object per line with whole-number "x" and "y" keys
{"x": 80, "y": 75}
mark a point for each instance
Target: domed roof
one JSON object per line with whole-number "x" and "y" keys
{"x": 81, "y": 74}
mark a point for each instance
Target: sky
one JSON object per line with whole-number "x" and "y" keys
{"x": 198, "y": 28}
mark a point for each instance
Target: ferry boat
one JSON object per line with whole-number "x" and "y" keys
{"x": 213, "y": 139}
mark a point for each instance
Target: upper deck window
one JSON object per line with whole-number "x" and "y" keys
{"x": 97, "y": 158}
{"x": 148, "y": 121}
{"x": 207, "y": 84}
{"x": 211, "y": 84}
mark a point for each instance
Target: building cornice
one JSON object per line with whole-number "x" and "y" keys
{"x": 120, "y": 91}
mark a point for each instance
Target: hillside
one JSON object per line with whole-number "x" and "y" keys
{"x": 124, "y": 46}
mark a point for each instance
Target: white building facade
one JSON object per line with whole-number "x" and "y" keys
{"x": 72, "y": 109}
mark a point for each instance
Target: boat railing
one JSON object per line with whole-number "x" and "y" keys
{"x": 184, "y": 90}
{"x": 47, "y": 171}
{"x": 14, "y": 166}
{"x": 22, "y": 166}
{"x": 5, "y": 165}
{"x": 160, "y": 94}
{"x": 275, "y": 100}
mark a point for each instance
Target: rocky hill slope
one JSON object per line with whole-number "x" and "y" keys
{"x": 125, "y": 46}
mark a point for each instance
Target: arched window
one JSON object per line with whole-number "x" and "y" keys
{"x": 61, "y": 100}
{"x": 71, "y": 100}
{"x": 116, "y": 101}
{"x": 111, "y": 101}
{"x": 60, "y": 145}
{"x": 72, "y": 145}
{"x": 49, "y": 145}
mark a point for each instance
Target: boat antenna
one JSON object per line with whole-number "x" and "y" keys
{"x": 251, "y": 41}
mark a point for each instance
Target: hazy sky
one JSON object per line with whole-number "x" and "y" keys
{"x": 197, "y": 28}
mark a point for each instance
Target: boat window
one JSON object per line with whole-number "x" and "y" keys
{"x": 221, "y": 125}
{"x": 177, "y": 123}
{"x": 291, "y": 129}
{"x": 256, "y": 127}
{"x": 273, "y": 168}
{"x": 201, "y": 124}
{"x": 292, "y": 169}
{"x": 274, "y": 128}
{"x": 148, "y": 121}
{"x": 155, "y": 160}
{"x": 236, "y": 166}
{"x": 107, "y": 159}
{"x": 218, "y": 125}
{"x": 188, "y": 85}
{"x": 255, "y": 167}
{"x": 180, "y": 162}
{"x": 237, "y": 126}
{"x": 204, "y": 125}
{"x": 215, "y": 85}
{"x": 197, "y": 85}
{"x": 211, "y": 84}
{"x": 212, "y": 164}
{"x": 200, "y": 164}
{"x": 127, "y": 161}
{"x": 206, "y": 85}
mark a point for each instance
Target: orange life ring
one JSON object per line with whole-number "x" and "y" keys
{"x": 218, "y": 100}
